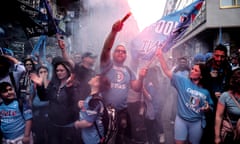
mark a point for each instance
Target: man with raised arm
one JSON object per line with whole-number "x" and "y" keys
{"x": 121, "y": 79}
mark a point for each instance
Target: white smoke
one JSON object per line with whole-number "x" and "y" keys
{"x": 92, "y": 28}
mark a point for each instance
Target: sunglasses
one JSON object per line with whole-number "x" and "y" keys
{"x": 121, "y": 51}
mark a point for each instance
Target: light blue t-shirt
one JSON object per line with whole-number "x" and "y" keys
{"x": 90, "y": 134}
{"x": 232, "y": 108}
{"x": 191, "y": 98}
{"x": 13, "y": 120}
{"x": 37, "y": 103}
{"x": 183, "y": 73}
{"x": 120, "y": 78}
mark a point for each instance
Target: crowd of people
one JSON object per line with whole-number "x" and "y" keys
{"x": 52, "y": 102}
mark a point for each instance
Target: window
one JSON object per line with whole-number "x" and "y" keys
{"x": 229, "y": 3}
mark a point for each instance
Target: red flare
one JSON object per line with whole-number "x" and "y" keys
{"x": 126, "y": 17}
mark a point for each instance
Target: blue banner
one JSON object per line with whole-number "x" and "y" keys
{"x": 37, "y": 20}
{"x": 163, "y": 33}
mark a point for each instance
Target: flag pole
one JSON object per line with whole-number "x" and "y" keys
{"x": 150, "y": 62}
{"x": 220, "y": 35}
{"x": 50, "y": 16}
{"x": 153, "y": 58}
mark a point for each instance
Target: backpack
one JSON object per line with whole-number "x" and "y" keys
{"x": 109, "y": 119}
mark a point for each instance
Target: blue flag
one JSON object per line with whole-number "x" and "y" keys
{"x": 35, "y": 21}
{"x": 163, "y": 33}
{"x": 6, "y": 51}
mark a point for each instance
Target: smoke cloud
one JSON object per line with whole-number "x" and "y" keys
{"x": 90, "y": 30}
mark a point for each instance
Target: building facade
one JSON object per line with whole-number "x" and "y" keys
{"x": 217, "y": 22}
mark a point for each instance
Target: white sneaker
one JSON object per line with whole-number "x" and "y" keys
{"x": 162, "y": 138}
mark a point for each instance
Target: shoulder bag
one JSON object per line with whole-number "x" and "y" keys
{"x": 237, "y": 128}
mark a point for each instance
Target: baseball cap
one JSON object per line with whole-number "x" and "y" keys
{"x": 89, "y": 54}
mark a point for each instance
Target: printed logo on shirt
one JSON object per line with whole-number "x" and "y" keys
{"x": 118, "y": 86}
{"x": 194, "y": 101}
{"x": 119, "y": 76}
{"x": 194, "y": 104}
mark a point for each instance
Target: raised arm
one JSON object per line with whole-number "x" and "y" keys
{"x": 61, "y": 44}
{"x": 108, "y": 44}
{"x": 11, "y": 58}
{"x": 163, "y": 63}
{"x": 137, "y": 84}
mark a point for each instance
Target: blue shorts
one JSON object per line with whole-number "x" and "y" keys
{"x": 185, "y": 130}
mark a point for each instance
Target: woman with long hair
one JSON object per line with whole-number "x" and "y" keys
{"x": 63, "y": 94}
{"x": 229, "y": 104}
{"x": 40, "y": 110}
{"x": 193, "y": 101}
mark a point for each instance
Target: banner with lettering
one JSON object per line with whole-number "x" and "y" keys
{"x": 35, "y": 21}
{"x": 163, "y": 33}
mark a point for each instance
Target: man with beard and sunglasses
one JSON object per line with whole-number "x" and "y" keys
{"x": 121, "y": 78}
